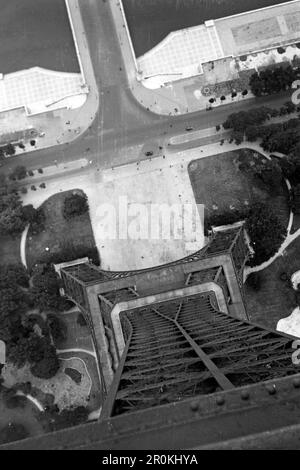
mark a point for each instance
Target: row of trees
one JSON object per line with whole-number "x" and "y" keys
{"x": 243, "y": 120}
{"x": 283, "y": 137}
{"x": 275, "y": 80}
{"x": 264, "y": 227}
{"x": 13, "y": 215}
{"x": 20, "y": 172}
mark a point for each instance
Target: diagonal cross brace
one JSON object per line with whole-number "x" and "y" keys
{"x": 211, "y": 366}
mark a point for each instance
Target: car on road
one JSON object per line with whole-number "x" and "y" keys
{"x": 189, "y": 128}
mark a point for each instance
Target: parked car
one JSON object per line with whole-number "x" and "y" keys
{"x": 149, "y": 153}
{"x": 189, "y": 128}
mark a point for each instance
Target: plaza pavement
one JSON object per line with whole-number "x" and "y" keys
{"x": 163, "y": 179}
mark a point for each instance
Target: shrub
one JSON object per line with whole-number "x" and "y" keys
{"x": 48, "y": 366}
{"x": 75, "y": 205}
{"x": 9, "y": 149}
{"x": 35, "y": 217}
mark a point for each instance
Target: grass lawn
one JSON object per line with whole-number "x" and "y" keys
{"x": 59, "y": 233}
{"x": 276, "y": 298}
{"x": 77, "y": 336}
{"x": 220, "y": 184}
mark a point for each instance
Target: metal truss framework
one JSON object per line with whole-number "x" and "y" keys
{"x": 231, "y": 241}
{"x": 185, "y": 348}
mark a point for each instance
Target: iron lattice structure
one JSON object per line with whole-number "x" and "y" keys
{"x": 181, "y": 365}
{"x": 186, "y": 348}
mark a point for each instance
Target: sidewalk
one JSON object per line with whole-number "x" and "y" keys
{"x": 179, "y": 97}
{"x": 60, "y": 126}
{"x": 185, "y": 95}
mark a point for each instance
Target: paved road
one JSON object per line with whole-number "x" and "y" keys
{"x": 121, "y": 123}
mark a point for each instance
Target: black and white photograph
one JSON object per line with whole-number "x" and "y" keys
{"x": 149, "y": 228}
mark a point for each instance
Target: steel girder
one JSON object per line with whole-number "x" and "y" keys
{"x": 186, "y": 347}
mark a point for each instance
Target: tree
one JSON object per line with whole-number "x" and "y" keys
{"x": 12, "y": 274}
{"x": 36, "y": 347}
{"x": 9, "y": 149}
{"x": 45, "y": 290}
{"x": 253, "y": 133}
{"x": 35, "y": 217}
{"x": 19, "y": 173}
{"x": 10, "y": 201}
{"x": 47, "y": 367}
{"x": 273, "y": 80}
{"x": 270, "y": 173}
{"x": 18, "y": 351}
{"x": 266, "y": 232}
{"x": 243, "y": 119}
{"x": 238, "y": 137}
{"x": 12, "y": 222}
{"x": 74, "y": 205}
